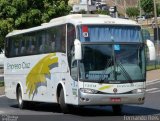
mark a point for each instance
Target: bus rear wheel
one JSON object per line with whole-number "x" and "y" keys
{"x": 117, "y": 109}
{"x": 64, "y": 107}
{"x": 21, "y": 103}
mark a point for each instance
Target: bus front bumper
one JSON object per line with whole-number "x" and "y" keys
{"x": 110, "y": 99}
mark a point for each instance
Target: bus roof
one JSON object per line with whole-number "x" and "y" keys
{"x": 78, "y": 19}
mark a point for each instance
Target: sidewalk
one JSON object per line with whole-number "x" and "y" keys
{"x": 153, "y": 75}
{"x": 1, "y": 90}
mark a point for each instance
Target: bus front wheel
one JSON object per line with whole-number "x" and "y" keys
{"x": 21, "y": 103}
{"x": 64, "y": 107}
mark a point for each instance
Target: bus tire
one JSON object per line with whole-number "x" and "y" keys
{"x": 117, "y": 109}
{"x": 21, "y": 103}
{"x": 64, "y": 107}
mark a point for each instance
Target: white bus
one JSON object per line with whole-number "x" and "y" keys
{"x": 77, "y": 60}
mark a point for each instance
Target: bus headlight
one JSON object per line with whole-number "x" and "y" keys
{"x": 142, "y": 90}
{"x": 90, "y": 91}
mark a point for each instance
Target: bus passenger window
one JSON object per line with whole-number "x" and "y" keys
{"x": 74, "y": 69}
{"x": 63, "y": 44}
{"x": 16, "y": 51}
{"x": 52, "y": 45}
{"x": 70, "y": 49}
{"x": 31, "y": 48}
{"x": 63, "y": 37}
{"x": 43, "y": 46}
{"x": 50, "y": 39}
{"x": 23, "y": 48}
{"x": 60, "y": 38}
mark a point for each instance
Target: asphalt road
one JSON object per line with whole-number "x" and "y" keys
{"x": 44, "y": 111}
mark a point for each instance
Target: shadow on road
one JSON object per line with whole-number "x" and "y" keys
{"x": 128, "y": 110}
{"x": 42, "y": 107}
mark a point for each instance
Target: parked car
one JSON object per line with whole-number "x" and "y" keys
{"x": 141, "y": 18}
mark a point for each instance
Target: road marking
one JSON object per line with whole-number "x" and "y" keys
{"x": 154, "y": 82}
{"x": 2, "y": 95}
{"x": 1, "y": 112}
{"x": 151, "y": 89}
{"x": 154, "y": 91}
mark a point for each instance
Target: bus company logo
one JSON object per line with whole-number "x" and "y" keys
{"x": 40, "y": 72}
{"x": 115, "y": 90}
{"x": 22, "y": 65}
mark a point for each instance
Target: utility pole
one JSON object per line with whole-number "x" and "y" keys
{"x": 115, "y": 1}
{"x": 125, "y": 8}
{"x": 156, "y": 25}
{"x": 87, "y": 7}
{"x": 140, "y": 10}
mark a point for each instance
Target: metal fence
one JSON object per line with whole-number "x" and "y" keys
{"x": 154, "y": 64}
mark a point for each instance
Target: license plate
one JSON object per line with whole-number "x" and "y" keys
{"x": 115, "y": 99}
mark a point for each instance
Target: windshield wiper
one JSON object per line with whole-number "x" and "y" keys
{"x": 103, "y": 77}
{"x": 124, "y": 72}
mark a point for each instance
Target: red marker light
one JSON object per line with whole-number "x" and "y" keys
{"x": 85, "y": 29}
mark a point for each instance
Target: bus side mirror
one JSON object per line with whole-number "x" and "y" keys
{"x": 78, "y": 49}
{"x": 152, "y": 51}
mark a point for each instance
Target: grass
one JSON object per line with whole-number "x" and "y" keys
{"x": 1, "y": 83}
{"x": 152, "y": 67}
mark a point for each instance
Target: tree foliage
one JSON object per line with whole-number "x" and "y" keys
{"x": 105, "y": 12}
{"x": 147, "y": 6}
{"x": 132, "y": 11}
{"x": 22, "y": 14}
{"x": 158, "y": 10}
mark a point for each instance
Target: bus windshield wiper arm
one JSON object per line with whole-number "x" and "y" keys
{"x": 125, "y": 74}
{"x": 104, "y": 72}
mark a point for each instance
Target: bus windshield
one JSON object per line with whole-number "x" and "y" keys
{"x": 112, "y": 63}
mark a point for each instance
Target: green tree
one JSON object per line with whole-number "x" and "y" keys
{"x": 158, "y": 10}
{"x": 147, "y": 6}
{"x": 105, "y": 12}
{"x": 22, "y": 14}
{"x": 132, "y": 11}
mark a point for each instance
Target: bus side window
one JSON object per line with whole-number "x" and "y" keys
{"x": 63, "y": 38}
{"x": 50, "y": 38}
{"x": 23, "y": 48}
{"x": 16, "y": 47}
{"x": 31, "y": 48}
{"x": 71, "y": 35}
{"x": 41, "y": 38}
{"x": 12, "y": 52}
{"x": 42, "y": 47}
{"x": 7, "y": 47}
{"x": 60, "y": 38}
{"x": 29, "y": 44}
